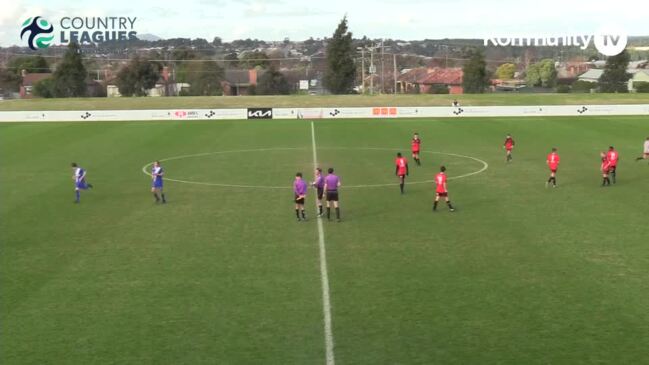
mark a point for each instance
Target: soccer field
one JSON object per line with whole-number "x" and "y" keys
{"x": 223, "y": 273}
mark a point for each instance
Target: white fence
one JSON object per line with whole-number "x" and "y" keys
{"x": 322, "y": 113}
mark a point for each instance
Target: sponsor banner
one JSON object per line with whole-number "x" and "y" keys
{"x": 186, "y": 114}
{"x": 407, "y": 112}
{"x": 224, "y": 114}
{"x": 347, "y": 113}
{"x": 204, "y": 114}
{"x": 384, "y": 112}
{"x": 317, "y": 113}
{"x": 286, "y": 113}
{"x": 123, "y": 115}
{"x": 260, "y": 113}
{"x": 310, "y": 113}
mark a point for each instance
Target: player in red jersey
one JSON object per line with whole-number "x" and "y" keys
{"x": 401, "y": 170}
{"x": 612, "y": 156}
{"x": 441, "y": 189}
{"x": 553, "y": 163}
{"x": 605, "y": 167}
{"x": 416, "y": 147}
{"x": 509, "y": 146}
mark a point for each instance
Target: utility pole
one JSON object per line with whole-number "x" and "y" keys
{"x": 446, "y": 58}
{"x": 382, "y": 67}
{"x": 363, "y": 69}
{"x": 394, "y": 75}
{"x": 445, "y": 54}
{"x": 372, "y": 71}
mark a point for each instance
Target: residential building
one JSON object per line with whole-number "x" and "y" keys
{"x": 28, "y": 81}
{"x": 426, "y": 79}
{"x": 238, "y": 82}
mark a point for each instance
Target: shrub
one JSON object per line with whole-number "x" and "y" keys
{"x": 581, "y": 86}
{"x": 44, "y": 88}
{"x": 641, "y": 86}
{"x": 438, "y": 89}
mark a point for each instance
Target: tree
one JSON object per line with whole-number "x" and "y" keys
{"x": 548, "y": 73}
{"x": 475, "y": 79}
{"x": 614, "y": 78}
{"x": 541, "y": 74}
{"x": 532, "y": 75}
{"x": 506, "y": 71}
{"x": 255, "y": 59}
{"x": 30, "y": 64}
{"x": 340, "y": 72}
{"x": 204, "y": 78}
{"x": 137, "y": 77}
{"x": 232, "y": 60}
{"x": 44, "y": 88}
{"x": 272, "y": 82}
{"x": 11, "y": 77}
{"x": 9, "y": 81}
{"x": 183, "y": 58}
{"x": 183, "y": 53}
{"x": 70, "y": 75}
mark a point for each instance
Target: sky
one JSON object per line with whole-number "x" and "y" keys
{"x": 300, "y": 19}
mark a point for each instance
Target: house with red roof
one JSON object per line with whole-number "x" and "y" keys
{"x": 425, "y": 79}
{"x": 28, "y": 81}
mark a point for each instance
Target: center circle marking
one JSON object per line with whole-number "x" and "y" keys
{"x": 484, "y": 167}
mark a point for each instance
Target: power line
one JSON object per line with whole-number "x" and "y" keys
{"x": 304, "y": 58}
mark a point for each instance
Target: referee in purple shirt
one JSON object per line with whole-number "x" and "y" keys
{"x": 332, "y": 183}
{"x": 318, "y": 184}
{"x": 299, "y": 188}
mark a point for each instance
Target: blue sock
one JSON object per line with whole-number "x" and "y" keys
{"x": 78, "y": 195}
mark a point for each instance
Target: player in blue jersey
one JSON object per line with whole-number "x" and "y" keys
{"x": 157, "y": 174}
{"x": 79, "y": 177}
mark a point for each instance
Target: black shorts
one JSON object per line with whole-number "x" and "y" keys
{"x": 442, "y": 194}
{"x": 299, "y": 201}
{"x": 332, "y": 196}
{"x": 320, "y": 193}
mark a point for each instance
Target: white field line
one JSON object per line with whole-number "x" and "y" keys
{"x": 326, "y": 303}
{"x": 485, "y": 166}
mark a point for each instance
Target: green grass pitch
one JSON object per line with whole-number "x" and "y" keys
{"x": 519, "y": 274}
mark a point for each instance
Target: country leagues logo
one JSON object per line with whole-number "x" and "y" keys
{"x": 40, "y": 32}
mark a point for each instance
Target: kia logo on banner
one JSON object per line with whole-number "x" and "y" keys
{"x": 260, "y": 113}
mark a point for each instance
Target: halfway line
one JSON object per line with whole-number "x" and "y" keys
{"x": 326, "y": 303}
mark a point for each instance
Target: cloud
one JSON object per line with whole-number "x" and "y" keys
{"x": 255, "y": 9}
